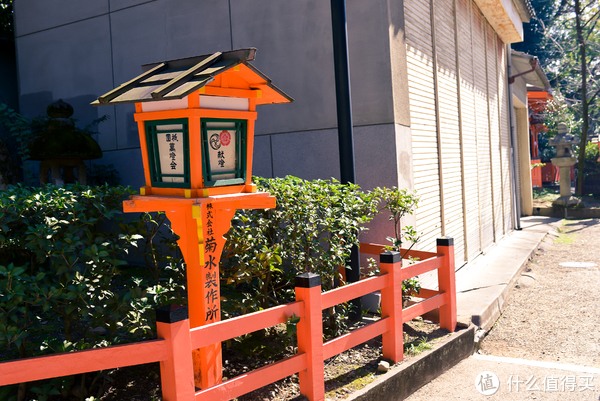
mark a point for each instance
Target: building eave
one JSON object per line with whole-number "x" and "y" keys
{"x": 507, "y": 17}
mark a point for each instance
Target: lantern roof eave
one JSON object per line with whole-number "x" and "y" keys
{"x": 176, "y": 79}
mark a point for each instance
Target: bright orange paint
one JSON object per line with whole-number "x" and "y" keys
{"x": 536, "y": 174}
{"x": 310, "y": 341}
{"x": 354, "y": 290}
{"x": 177, "y": 340}
{"x": 356, "y": 337}
{"x": 194, "y": 117}
{"x": 201, "y": 224}
{"x": 251, "y": 381}
{"x": 447, "y": 285}
{"x": 176, "y": 373}
{"x": 72, "y": 363}
{"x": 391, "y": 307}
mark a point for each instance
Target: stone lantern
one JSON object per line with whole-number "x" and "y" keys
{"x": 61, "y": 147}
{"x": 564, "y": 141}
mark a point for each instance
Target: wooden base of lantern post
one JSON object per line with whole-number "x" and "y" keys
{"x": 201, "y": 224}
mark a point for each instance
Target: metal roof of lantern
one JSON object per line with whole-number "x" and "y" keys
{"x": 176, "y": 79}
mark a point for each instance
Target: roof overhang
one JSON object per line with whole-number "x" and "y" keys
{"x": 176, "y": 79}
{"x": 528, "y": 65}
{"x": 507, "y": 17}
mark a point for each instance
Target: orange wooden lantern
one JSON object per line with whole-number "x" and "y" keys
{"x": 196, "y": 124}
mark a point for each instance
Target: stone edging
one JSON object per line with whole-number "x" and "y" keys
{"x": 405, "y": 379}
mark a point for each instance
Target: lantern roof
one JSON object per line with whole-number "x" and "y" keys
{"x": 175, "y": 79}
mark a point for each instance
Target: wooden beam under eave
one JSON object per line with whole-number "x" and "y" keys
{"x": 504, "y": 17}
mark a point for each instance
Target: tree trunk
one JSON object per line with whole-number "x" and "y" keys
{"x": 584, "y": 99}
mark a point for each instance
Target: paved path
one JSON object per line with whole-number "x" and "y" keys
{"x": 546, "y": 346}
{"x": 541, "y": 381}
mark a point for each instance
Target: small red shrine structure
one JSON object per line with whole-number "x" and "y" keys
{"x": 537, "y": 101}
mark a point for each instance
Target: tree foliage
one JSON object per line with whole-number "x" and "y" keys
{"x": 570, "y": 53}
{"x": 6, "y": 19}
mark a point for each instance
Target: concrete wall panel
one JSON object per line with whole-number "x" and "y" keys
{"x": 295, "y": 50}
{"x": 34, "y": 15}
{"x": 308, "y": 154}
{"x": 520, "y": 90}
{"x": 195, "y": 28}
{"x": 370, "y": 69}
{"x": 121, "y": 4}
{"x": 375, "y": 158}
{"x": 129, "y": 165}
{"x": 70, "y": 62}
{"x": 262, "y": 165}
{"x": 398, "y": 62}
{"x": 158, "y": 31}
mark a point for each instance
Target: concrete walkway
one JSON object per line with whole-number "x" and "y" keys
{"x": 483, "y": 286}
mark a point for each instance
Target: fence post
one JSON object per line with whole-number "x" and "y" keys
{"x": 391, "y": 306}
{"x": 447, "y": 283}
{"x": 177, "y": 372}
{"x": 310, "y": 336}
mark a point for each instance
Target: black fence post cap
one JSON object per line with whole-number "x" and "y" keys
{"x": 390, "y": 257}
{"x": 171, "y": 313}
{"x": 445, "y": 241}
{"x": 307, "y": 280}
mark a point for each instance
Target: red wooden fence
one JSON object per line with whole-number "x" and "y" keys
{"x": 176, "y": 340}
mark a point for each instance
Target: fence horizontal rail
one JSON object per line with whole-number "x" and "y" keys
{"x": 354, "y": 290}
{"x": 251, "y": 381}
{"x": 177, "y": 340}
{"x": 355, "y": 337}
{"x": 422, "y": 267}
{"x": 426, "y": 293}
{"x": 71, "y": 363}
{"x": 423, "y": 307}
{"x": 377, "y": 249}
{"x": 240, "y": 325}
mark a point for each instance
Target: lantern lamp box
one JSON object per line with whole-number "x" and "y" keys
{"x": 196, "y": 122}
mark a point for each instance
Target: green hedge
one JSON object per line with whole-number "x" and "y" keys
{"x": 65, "y": 283}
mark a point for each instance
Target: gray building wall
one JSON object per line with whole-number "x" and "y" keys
{"x": 80, "y": 51}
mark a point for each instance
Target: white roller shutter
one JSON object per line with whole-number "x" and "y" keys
{"x": 483, "y": 136}
{"x": 497, "y": 167}
{"x": 504, "y": 135}
{"x": 469, "y": 127}
{"x": 423, "y": 121}
{"x": 449, "y": 125}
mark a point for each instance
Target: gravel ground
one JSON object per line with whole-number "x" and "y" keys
{"x": 553, "y": 314}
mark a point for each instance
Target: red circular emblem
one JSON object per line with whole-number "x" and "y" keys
{"x": 225, "y": 138}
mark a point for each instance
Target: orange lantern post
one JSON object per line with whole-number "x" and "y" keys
{"x": 195, "y": 120}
